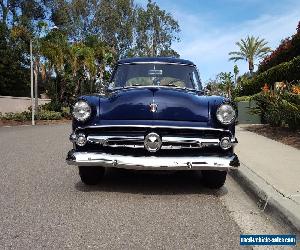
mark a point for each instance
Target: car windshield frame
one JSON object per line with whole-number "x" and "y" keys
{"x": 195, "y": 84}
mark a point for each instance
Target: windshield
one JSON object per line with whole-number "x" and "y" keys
{"x": 151, "y": 74}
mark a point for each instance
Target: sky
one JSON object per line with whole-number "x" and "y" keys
{"x": 209, "y": 29}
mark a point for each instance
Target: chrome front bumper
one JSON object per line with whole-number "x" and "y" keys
{"x": 152, "y": 162}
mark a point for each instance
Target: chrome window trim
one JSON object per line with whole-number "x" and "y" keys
{"x": 155, "y": 86}
{"x": 158, "y": 62}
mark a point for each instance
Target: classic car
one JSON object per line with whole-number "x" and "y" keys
{"x": 154, "y": 115}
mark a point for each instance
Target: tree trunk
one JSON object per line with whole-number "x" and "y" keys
{"x": 251, "y": 66}
{"x": 77, "y": 87}
{"x": 229, "y": 91}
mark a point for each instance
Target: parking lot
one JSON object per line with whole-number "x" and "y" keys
{"x": 44, "y": 204}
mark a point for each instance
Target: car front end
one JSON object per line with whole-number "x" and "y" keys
{"x": 161, "y": 126}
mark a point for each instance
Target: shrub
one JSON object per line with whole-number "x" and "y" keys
{"x": 286, "y": 51}
{"x": 288, "y": 71}
{"x": 23, "y": 116}
{"x": 278, "y": 109}
{"x": 49, "y": 115}
{"x": 242, "y": 98}
{"x": 26, "y": 116}
{"x": 51, "y": 106}
{"x": 66, "y": 113}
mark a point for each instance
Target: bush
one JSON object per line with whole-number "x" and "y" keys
{"x": 66, "y": 113}
{"x": 49, "y": 115}
{"x": 242, "y": 98}
{"x": 288, "y": 71}
{"x": 51, "y": 106}
{"x": 278, "y": 109}
{"x": 23, "y": 116}
{"x": 286, "y": 51}
{"x": 55, "y": 106}
{"x": 26, "y": 116}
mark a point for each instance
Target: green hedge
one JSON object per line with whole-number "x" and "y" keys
{"x": 45, "y": 112}
{"x": 287, "y": 71}
{"x": 242, "y": 98}
{"x": 26, "y": 116}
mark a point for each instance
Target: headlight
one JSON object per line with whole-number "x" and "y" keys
{"x": 226, "y": 114}
{"x": 81, "y": 111}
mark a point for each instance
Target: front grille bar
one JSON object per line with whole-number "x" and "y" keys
{"x": 168, "y": 142}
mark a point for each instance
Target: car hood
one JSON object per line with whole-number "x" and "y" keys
{"x": 170, "y": 104}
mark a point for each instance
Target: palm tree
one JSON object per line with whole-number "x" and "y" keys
{"x": 250, "y": 49}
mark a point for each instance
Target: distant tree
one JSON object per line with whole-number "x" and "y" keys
{"x": 18, "y": 22}
{"x": 225, "y": 78}
{"x": 13, "y": 72}
{"x": 76, "y": 18}
{"x": 155, "y": 30}
{"x": 77, "y": 56}
{"x": 221, "y": 85}
{"x": 114, "y": 20}
{"x": 250, "y": 49}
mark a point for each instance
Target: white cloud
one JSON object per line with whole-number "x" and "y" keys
{"x": 208, "y": 46}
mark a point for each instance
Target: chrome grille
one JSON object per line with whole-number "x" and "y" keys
{"x": 172, "y": 137}
{"x": 168, "y": 142}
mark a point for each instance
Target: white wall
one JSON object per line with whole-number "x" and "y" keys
{"x": 17, "y": 104}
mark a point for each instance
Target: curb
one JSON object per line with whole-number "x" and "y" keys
{"x": 286, "y": 208}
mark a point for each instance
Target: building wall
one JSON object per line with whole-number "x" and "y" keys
{"x": 245, "y": 116}
{"x": 17, "y": 104}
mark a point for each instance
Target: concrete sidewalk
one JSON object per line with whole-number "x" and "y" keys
{"x": 272, "y": 171}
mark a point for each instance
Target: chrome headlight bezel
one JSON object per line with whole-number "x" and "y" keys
{"x": 81, "y": 111}
{"x": 226, "y": 114}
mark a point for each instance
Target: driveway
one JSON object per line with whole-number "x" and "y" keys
{"x": 44, "y": 204}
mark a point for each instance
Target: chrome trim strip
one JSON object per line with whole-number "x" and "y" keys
{"x": 171, "y": 139}
{"x": 153, "y": 162}
{"x": 155, "y": 126}
{"x": 105, "y": 138}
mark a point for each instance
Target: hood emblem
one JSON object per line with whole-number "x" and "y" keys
{"x": 153, "y": 107}
{"x": 152, "y": 142}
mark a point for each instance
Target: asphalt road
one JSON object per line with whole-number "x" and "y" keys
{"x": 44, "y": 204}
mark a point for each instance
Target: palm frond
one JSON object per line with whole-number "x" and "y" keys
{"x": 236, "y": 58}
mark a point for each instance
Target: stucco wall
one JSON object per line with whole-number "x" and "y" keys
{"x": 245, "y": 117}
{"x": 17, "y": 104}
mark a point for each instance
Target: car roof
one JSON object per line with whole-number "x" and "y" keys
{"x": 167, "y": 60}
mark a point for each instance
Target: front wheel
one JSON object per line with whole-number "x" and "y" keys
{"x": 91, "y": 175}
{"x": 213, "y": 178}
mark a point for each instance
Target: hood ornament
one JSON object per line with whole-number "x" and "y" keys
{"x": 153, "y": 107}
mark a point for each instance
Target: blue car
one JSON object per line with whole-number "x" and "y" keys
{"x": 154, "y": 115}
